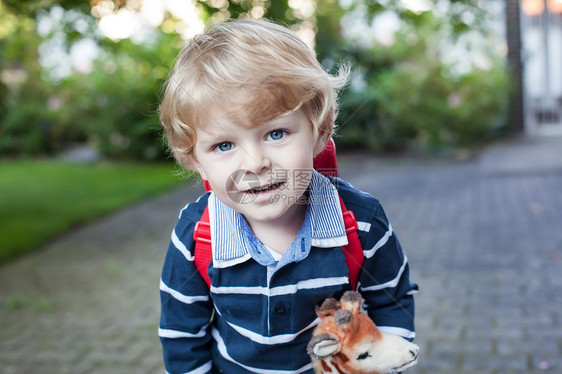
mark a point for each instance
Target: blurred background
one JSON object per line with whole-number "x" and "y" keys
{"x": 88, "y": 73}
{"x": 434, "y": 80}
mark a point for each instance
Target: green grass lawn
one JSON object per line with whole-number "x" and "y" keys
{"x": 42, "y": 199}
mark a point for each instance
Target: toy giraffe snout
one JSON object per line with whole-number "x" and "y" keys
{"x": 348, "y": 342}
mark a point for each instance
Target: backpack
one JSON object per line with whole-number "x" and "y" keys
{"x": 325, "y": 163}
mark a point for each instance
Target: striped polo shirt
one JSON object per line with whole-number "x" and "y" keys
{"x": 259, "y": 314}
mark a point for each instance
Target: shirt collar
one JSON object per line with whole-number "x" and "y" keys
{"x": 233, "y": 240}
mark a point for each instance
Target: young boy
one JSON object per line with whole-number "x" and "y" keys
{"x": 248, "y": 106}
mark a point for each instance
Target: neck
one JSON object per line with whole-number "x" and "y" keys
{"x": 278, "y": 234}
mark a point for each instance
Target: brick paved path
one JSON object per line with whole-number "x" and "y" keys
{"x": 484, "y": 239}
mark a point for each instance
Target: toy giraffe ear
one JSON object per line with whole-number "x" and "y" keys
{"x": 323, "y": 345}
{"x": 328, "y": 308}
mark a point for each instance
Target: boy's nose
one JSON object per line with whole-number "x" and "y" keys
{"x": 256, "y": 161}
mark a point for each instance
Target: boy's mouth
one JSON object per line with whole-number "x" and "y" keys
{"x": 265, "y": 188}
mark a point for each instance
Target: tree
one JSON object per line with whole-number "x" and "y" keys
{"x": 513, "y": 27}
{"x": 23, "y": 111}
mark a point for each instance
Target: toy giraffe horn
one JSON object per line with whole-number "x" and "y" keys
{"x": 351, "y": 301}
{"x": 346, "y": 322}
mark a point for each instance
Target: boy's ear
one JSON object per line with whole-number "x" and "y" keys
{"x": 321, "y": 142}
{"x": 196, "y": 166}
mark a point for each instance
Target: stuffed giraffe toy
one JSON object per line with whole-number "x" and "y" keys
{"x": 347, "y": 341}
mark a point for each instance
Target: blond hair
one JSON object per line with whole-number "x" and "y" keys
{"x": 268, "y": 67}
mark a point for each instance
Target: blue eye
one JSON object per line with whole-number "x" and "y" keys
{"x": 276, "y": 134}
{"x": 224, "y": 146}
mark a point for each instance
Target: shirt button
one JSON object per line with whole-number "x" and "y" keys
{"x": 280, "y": 309}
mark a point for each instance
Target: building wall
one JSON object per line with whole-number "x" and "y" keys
{"x": 541, "y": 36}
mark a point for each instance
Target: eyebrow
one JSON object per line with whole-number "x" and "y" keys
{"x": 208, "y": 138}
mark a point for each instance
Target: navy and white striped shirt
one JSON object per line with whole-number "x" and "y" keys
{"x": 264, "y": 309}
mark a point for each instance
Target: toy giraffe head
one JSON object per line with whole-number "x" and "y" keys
{"x": 348, "y": 342}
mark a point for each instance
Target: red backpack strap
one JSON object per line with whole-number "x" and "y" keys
{"x": 326, "y": 162}
{"x": 353, "y": 251}
{"x": 203, "y": 249}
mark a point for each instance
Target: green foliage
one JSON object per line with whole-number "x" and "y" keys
{"x": 25, "y": 122}
{"x": 32, "y": 7}
{"x": 42, "y": 199}
{"x": 403, "y": 97}
{"x": 4, "y": 93}
{"x": 114, "y": 107}
{"x": 278, "y": 10}
{"x": 27, "y": 129}
{"x": 423, "y": 107}
{"x": 116, "y": 104}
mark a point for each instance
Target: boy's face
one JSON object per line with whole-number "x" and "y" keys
{"x": 260, "y": 171}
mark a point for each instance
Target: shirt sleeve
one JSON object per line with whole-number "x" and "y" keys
{"x": 186, "y": 307}
{"x": 384, "y": 279}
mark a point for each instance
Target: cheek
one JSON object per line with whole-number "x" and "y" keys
{"x": 301, "y": 155}
{"x": 220, "y": 179}
{"x": 300, "y": 159}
